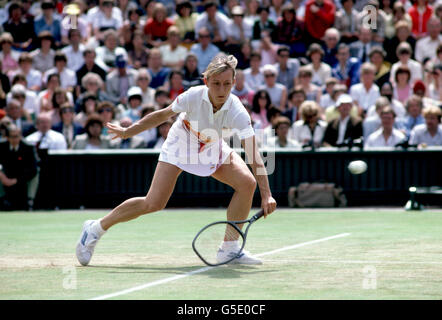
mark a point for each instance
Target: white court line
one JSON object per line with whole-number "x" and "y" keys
{"x": 191, "y": 273}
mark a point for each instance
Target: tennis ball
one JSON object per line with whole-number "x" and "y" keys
{"x": 357, "y": 167}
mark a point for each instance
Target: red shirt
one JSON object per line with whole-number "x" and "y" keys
{"x": 419, "y": 26}
{"x": 158, "y": 30}
{"x": 317, "y": 23}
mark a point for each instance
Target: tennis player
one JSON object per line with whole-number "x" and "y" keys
{"x": 194, "y": 144}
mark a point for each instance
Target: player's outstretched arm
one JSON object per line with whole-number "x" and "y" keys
{"x": 149, "y": 121}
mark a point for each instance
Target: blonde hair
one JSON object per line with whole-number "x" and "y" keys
{"x": 309, "y": 107}
{"x": 432, "y": 111}
{"x": 220, "y": 63}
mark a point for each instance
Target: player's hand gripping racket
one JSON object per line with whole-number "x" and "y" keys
{"x": 208, "y": 240}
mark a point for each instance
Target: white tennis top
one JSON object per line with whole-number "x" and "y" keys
{"x": 195, "y": 141}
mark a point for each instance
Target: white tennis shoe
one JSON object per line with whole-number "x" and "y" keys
{"x": 244, "y": 257}
{"x": 87, "y": 242}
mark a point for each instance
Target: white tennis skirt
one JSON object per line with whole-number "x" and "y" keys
{"x": 191, "y": 153}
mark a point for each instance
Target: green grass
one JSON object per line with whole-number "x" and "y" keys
{"x": 397, "y": 252}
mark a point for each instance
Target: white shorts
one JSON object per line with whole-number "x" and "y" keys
{"x": 184, "y": 150}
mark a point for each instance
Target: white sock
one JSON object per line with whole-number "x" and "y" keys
{"x": 97, "y": 228}
{"x": 226, "y": 245}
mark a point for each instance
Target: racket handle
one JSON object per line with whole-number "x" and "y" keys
{"x": 257, "y": 215}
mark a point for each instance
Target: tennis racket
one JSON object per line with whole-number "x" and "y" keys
{"x": 208, "y": 240}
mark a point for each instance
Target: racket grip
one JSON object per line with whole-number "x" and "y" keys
{"x": 257, "y": 215}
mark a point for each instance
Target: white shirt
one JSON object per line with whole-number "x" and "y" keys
{"x": 75, "y": 58}
{"x": 397, "y": 106}
{"x": 420, "y": 134}
{"x": 53, "y": 140}
{"x": 31, "y": 104}
{"x": 426, "y": 48}
{"x": 364, "y": 99}
{"x": 234, "y": 31}
{"x": 221, "y": 20}
{"x": 172, "y": 56}
{"x": 377, "y": 140}
{"x": 415, "y": 69}
{"x": 342, "y": 128}
{"x": 68, "y": 78}
{"x": 254, "y": 81}
{"x": 301, "y": 132}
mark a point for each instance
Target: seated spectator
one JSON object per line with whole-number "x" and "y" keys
{"x": 89, "y": 65}
{"x": 402, "y": 89}
{"x": 420, "y": 13}
{"x": 404, "y": 53}
{"x": 33, "y": 77}
{"x": 253, "y": 75}
{"x": 92, "y": 139}
{"x": 150, "y": 134}
{"x": 45, "y": 96}
{"x": 281, "y": 139}
{"x": 346, "y": 70}
{"x": 277, "y": 91}
{"x": 45, "y": 138}
{"x": 74, "y": 50}
{"x": 267, "y": 49}
{"x": 28, "y": 98}
{"x": 426, "y": 47}
{"x": 108, "y": 53}
{"x": 264, "y": 23}
{"x": 163, "y": 131}
{"x": 175, "y": 84}
{"x": 312, "y": 91}
{"x": 59, "y": 98}
{"x": 215, "y": 23}
{"x": 286, "y": 67}
{"x": 346, "y": 127}
{"x": 414, "y": 106}
{"x": 387, "y": 92}
{"x": 68, "y": 78}
{"x": 402, "y": 34}
{"x": 386, "y": 136}
{"x": 67, "y": 126}
{"x": 158, "y": 72}
{"x": 435, "y": 86}
{"x": 205, "y": 50}
{"x": 260, "y": 105}
{"x": 18, "y": 166}
{"x": 119, "y": 81}
{"x": 241, "y": 90}
{"x": 134, "y": 142}
{"x": 161, "y": 98}
{"x": 138, "y": 54}
{"x": 319, "y": 16}
{"x": 243, "y": 56}
{"x": 327, "y": 97}
{"x": 20, "y": 27}
{"x": 106, "y": 19}
{"x": 134, "y": 96}
{"x": 321, "y": 71}
{"x": 373, "y": 121}
{"x": 290, "y": 31}
{"x": 309, "y": 131}
{"x": 192, "y": 76}
{"x": 238, "y": 31}
{"x": 43, "y": 56}
{"x": 330, "y": 47}
{"x": 172, "y": 53}
{"x": 377, "y": 58}
{"x": 143, "y": 81}
{"x": 8, "y": 56}
{"x": 91, "y": 83}
{"x": 346, "y": 21}
{"x": 361, "y": 48}
{"x": 296, "y": 97}
{"x": 399, "y": 14}
{"x": 364, "y": 94}
{"x": 430, "y": 133}
{"x": 19, "y": 117}
{"x": 156, "y": 27}
{"x": 88, "y": 107}
{"x": 185, "y": 21}
{"x": 48, "y": 21}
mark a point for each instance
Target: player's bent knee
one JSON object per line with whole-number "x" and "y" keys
{"x": 152, "y": 206}
{"x": 248, "y": 184}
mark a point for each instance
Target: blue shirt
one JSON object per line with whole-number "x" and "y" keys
{"x": 55, "y": 28}
{"x": 159, "y": 78}
{"x": 204, "y": 56}
{"x": 407, "y": 123}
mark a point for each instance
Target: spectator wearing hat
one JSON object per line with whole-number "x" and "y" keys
{"x": 239, "y": 30}
{"x": 185, "y": 21}
{"x": 34, "y": 78}
{"x": 67, "y": 126}
{"x": 119, "y": 81}
{"x": 427, "y": 46}
{"x": 344, "y": 128}
{"x": 277, "y": 91}
{"x": 68, "y": 78}
{"x": 8, "y": 56}
{"x": 48, "y": 21}
{"x": 281, "y": 125}
{"x": 18, "y": 167}
{"x": 191, "y": 75}
{"x": 205, "y": 50}
{"x": 319, "y": 16}
{"x": 289, "y": 31}
{"x": 414, "y": 106}
{"x": 420, "y": 13}
{"x": 107, "y": 53}
{"x": 215, "y": 22}
{"x": 172, "y": 52}
{"x": 134, "y": 97}
{"x": 386, "y": 136}
{"x": 134, "y": 142}
{"x": 332, "y": 112}
{"x": 74, "y": 51}
{"x": 404, "y": 53}
{"x": 158, "y": 72}
{"x": 321, "y": 70}
{"x": 361, "y": 48}
{"x": 346, "y": 21}
{"x": 156, "y": 27}
{"x": 92, "y": 139}
{"x": 43, "y": 56}
{"x": 430, "y": 133}
{"x": 21, "y": 29}
{"x": 377, "y": 58}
